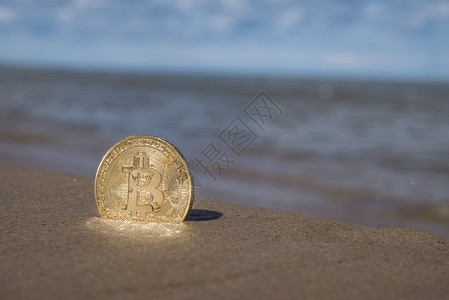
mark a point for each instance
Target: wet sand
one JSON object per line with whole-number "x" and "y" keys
{"x": 53, "y": 245}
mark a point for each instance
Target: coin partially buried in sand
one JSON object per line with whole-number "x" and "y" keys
{"x": 144, "y": 178}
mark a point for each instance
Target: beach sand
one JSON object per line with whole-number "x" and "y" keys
{"x": 54, "y": 245}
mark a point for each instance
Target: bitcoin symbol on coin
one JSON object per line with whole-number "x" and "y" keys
{"x": 143, "y": 181}
{"x": 137, "y": 175}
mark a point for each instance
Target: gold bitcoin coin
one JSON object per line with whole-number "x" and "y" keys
{"x": 144, "y": 178}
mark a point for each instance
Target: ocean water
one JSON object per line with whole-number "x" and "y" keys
{"x": 373, "y": 153}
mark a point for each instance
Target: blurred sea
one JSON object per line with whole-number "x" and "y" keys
{"x": 373, "y": 153}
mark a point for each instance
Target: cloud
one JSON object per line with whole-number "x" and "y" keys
{"x": 187, "y": 6}
{"x": 76, "y": 7}
{"x": 434, "y": 12}
{"x": 225, "y": 23}
{"x": 347, "y": 59}
{"x": 235, "y": 6}
{"x": 290, "y": 18}
{"x": 6, "y": 14}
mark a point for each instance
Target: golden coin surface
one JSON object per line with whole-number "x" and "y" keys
{"x": 144, "y": 178}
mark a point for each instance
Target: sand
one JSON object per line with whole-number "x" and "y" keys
{"x": 54, "y": 245}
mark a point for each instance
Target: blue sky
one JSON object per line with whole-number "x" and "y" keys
{"x": 394, "y": 38}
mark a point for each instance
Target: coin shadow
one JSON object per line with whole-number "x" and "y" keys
{"x": 203, "y": 215}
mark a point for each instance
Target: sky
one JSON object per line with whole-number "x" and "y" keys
{"x": 381, "y": 39}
